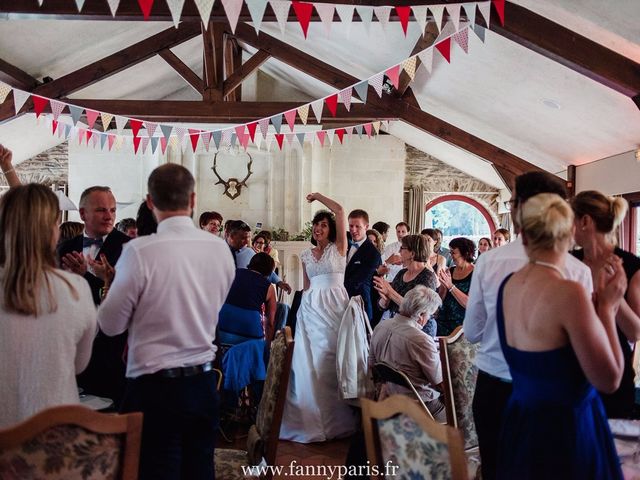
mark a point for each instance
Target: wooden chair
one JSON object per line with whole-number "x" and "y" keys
{"x": 72, "y": 442}
{"x": 403, "y": 442}
{"x": 386, "y": 373}
{"x": 262, "y": 441}
{"x": 459, "y": 374}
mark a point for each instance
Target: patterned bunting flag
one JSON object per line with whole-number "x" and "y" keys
{"x": 382, "y": 14}
{"x": 290, "y": 116}
{"x": 145, "y": 6}
{"x": 113, "y": 6}
{"x": 92, "y": 116}
{"x": 403, "y": 15}
{"x": 376, "y": 82}
{"x": 4, "y": 91}
{"x": 194, "y": 135}
{"x": 366, "y": 15}
{"x": 151, "y": 128}
{"x": 19, "y": 99}
{"x": 426, "y": 58}
{"x": 420, "y": 14}
{"x": 393, "y": 74}
{"x": 279, "y": 139}
{"x": 121, "y": 122}
{"x": 462, "y": 39}
{"x": 438, "y": 12}
{"x": 325, "y": 12}
{"x": 175, "y": 7}
{"x": 232, "y": 9}
{"x": 145, "y": 143}
{"x": 106, "y": 120}
{"x": 332, "y": 104}
{"x": 345, "y": 98}
{"x": 359, "y": 130}
{"x": 376, "y": 126}
{"x": 135, "y": 126}
{"x": 281, "y": 10}
{"x": 409, "y": 66}
{"x": 444, "y": 47}
{"x": 204, "y": 9}
{"x": 252, "y": 130}
{"x": 256, "y": 10}
{"x": 39, "y": 103}
{"x": 362, "y": 89}
{"x": 56, "y": 108}
{"x": 454, "y": 14}
{"x": 303, "y": 113}
{"x": 206, "y": 139}
{"x": 166, "y": 130}
{"x": 303, "y": 13}
{"x": 276, "y": 121}
{"x": 263, "y": 123}
{"x": 290, "y": 137}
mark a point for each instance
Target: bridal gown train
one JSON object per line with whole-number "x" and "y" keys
{"x": 314, "y": 411}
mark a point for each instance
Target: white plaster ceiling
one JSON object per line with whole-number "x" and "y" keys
{"x": 496, "y": 92}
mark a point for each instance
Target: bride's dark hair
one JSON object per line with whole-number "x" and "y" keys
{"x": 331, "y": 220}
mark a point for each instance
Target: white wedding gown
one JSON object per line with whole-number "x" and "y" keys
{"x": 314, "y": 411}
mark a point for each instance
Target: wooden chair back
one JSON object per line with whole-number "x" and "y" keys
{"x": 72, "y": 442}
{"x": 386, "y": 373}
{"x": 402, "y": 442}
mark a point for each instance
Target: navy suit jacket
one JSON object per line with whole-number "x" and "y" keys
{"x": 105, "y": 374}
{"x": 358, "y": 277}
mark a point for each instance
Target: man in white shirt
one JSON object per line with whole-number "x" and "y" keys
{"x": 391, "y": 253}
{"x": 493, "y": 386}
{"x": 168, "y": 290}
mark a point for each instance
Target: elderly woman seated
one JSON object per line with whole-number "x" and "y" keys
{"x": 400, "y": 343}
{"x": 250, "y": 309}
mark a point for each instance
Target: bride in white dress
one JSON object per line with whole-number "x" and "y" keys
{"x": 314, "y": 411}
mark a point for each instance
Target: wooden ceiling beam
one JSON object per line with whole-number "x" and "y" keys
{"x": 247, "y": 68}
{"x": 213, "y": 60}
{"x": 568, "y": 48}
{"x": 183, "y": 70}
{"x": 12, "y": 75}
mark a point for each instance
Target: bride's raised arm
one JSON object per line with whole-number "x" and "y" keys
{"x": 341, "y": 220}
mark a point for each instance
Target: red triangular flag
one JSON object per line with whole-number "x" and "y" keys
{"x": 194, "y": 135}
{"x": 54, "y": 127}
{"x": 367, "y": 128}
{"x": 332, "y": 103}
{"x": 240, "y": 133}
{"x": 499, "y": 4}
{"x": 394, "y": 75}
{"x": 145, "y": 6}
{"x": 136, "y": 144}
{"x": 163, "y": 144}
{"x": 135, "y": 126}
{"x": 403, "y": 15}
{"x": 252, "y": 130}
{"x": 444, "y": 47}
{"x": 340, "y": 133}
{"x": 38, "y": 104}
{"x": 92, "y": 115}
{"x": 303, "y": 12}
{"x": 280, "y": 139}
{"x": 321, "y": 134}
{"x": 290, "y": 116}
{"x": 89, "y": 134}
{"x": 111, "y": 140}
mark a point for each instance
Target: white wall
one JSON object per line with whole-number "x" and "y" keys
{"x": 612, "y": 176}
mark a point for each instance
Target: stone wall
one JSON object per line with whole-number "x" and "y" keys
{"x": 50, "y": 167}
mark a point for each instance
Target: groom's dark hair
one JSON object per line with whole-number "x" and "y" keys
{"x": 331, "y": 220}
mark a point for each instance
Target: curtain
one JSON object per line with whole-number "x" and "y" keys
{"x": 415, "y": 217}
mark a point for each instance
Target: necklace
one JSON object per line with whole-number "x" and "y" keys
{"x": 549, "y": 265}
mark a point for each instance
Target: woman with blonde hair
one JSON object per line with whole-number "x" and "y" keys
{"x": 558, "y": 347}
{"x": 597, "y": 218}
{"x": 375, "y": 237}
{"x": 47, "y": 316}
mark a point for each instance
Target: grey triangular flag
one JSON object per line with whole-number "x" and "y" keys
{"x": 480, "y": 31}
{"x": 300, "y": 138}
{"x": 154, "y": 144}
{"x": 76, "y": 113}
{"x": 361, "y": 89}
{"x": 234, "y": 137}
{"x": 67, "y": 130}
{"x": 103, "y": 140}
{"x": 166, "y": 130}
{"x": 217, "y": 136}
{"x": 276, "y": 121}
{"x": 359, "y": 130}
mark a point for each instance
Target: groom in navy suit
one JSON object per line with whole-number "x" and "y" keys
{"x": 363, "y": 258}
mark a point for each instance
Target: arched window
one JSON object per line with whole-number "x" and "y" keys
{"x": 459, "y": 216}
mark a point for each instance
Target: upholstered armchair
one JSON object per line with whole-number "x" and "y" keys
{"x": 262, "y": 441}
{"x": 72, "y": 443}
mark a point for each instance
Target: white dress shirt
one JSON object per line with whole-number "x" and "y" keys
{"x": 168, "y": 290}
{"x": 353, "y": 249}
{"x": 480, "y": 324}
{"x": 392, "y": 249}
{"x": 91, "y": 252}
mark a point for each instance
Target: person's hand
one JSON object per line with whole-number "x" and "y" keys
{"x": 394, "y": 259}
{"x": 284, "y": 286}
{"x": 611, "y": 284}
{"x": 382, "y": 270}
{"x": 382, "y": 286}
{"x": 75, "y": 262}
{"x": 6, "y": 156}
{"x": 313, "y": 196}
{"x": 445, "y": 278}
{"x": 102, "y": 269}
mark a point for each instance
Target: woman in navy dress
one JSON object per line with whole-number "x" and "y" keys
{"x": 558, "y": 347}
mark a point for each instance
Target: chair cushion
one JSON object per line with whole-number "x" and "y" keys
{"x": 267, "y": 407}
{"x": 255, "y": 446}
{"x": 463, "y": 378}
{"x": 229, "y": 463}
{"x": 65, "y": 452}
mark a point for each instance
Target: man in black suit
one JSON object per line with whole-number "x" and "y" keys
{"x": 363, "y": 258}
{"x": 105, "y": 375}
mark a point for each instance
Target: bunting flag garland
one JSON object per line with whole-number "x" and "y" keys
{"x": 300, "y": 137}
{"x": 240, "y": 132}
{"x": 135, "y": 126}
{"x": 403, "y": 15}
{"x": 470, "y": 11}
{"x": 366, "y": 15}
{"x": 136, "y": 144}
{"x": 180, "y": 133}
{"x": 332, "y": 104}
{"x": 56, "y": 108}
{"x": 376, "y": 127}
{"x": 204, "y": 9}
{"x": 145, "y": 144}
{"x": 444, "y": 47}
{"x": 252, "y": 130}
{"x": 303, "y": 113}
{"x": 394, "y": 75}
{"x": 276, "y": 121}
{"x": 79, "y": 4}
{"x": 106, "y": 120}
{"x": 175, "y": 7}
{"x": 325, "y": 12}
{"x": 206, "y": 139}
{"x": 76, "y": 113}
{"x": 163, "y": 145}
{"x": 256, "y": 11}
{"x": 281, "y": 10}
{"x": 290, "y": 116}
{"x": 120, "y": 123}
{"x": 454, "y": 14}
{"x": 382, "y": 14}
{"x": 376, "y": 82}
{"x": 321, "y": 135}
{"x": 5, "y": 90}
{"x": 362, "y": 89}
{"x": 426, "y": 59}
{"x": 279, "y": 139}
{"x": 111, "y": 139}
{"x": 217, "y": 136}
{"x": 345, "y": 98}
{"x": 194, "y": 135}
{"x": 166, "y": 130}
{"x": 420, "y": 14}
{"x": 232, "y": 8}
{"x": 462, "y": 39}
{"x": 264, "y": 126}
{"x": 145, "y": 6}
{"x": 92, "y": 116}
{"x": 409, "y": 66}
{"x": 54, "y": 127}
{"x": 103, "y": 140}
{"x": 485, "y": 11}
{"x": 154, "y": 144}
{"x": 499, "y": 4}
{"x": 358, "y": 129}
{"x": 345, "y": 13}
{"x": 39, "y": 103}
{"x": 317, "y": 109}
{"x": 367, "y": 129}
{"x": 303, "y": 12}
{"x": 438, "y": 12}
{"x": 479, "y": 31}
{"x": 113, "y": 6}
{"x": 19, "y": 99}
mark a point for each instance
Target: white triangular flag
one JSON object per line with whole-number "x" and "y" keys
{"x": 79, "y": 4}
{"x": 19, "y": 99}
{"x": 232, "y": 9}
{"x": 420, "y": 12}
{"x": 325, "y": 12}
{"x": 437, "y": 11}
{"x": 382, "y": 14}
{"x": 175, "y": 7}
{"x": 256, "y": 10}
{"x": 454, "y": 14}
{"x": 113, "y": 6}
{"x": 470, "y": 10}
{"x": 204, "y": 8}
{"x": 345, "y": 12}
{"x": 376, "y": 82}
{"x": 281, "y": 10}
{"x": 447, "y": 31}
{"x": 485, "y": 11}
{"x": 317, "y": 109}
{"x": 426, "y": 57}
{"x": 330, "y": 136}
{"x": 366, "y": 15}
{"x": 120, "y": 123}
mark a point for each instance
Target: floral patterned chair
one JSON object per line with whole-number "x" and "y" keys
{"x": 403, "y": 443}
{"x": 262, "y": 441}
{"x": 72, "y": 443}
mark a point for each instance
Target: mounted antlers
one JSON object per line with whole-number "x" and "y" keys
{"x": 232, "y": 187}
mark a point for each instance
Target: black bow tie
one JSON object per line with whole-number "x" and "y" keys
{"x": 87, "y": 242}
